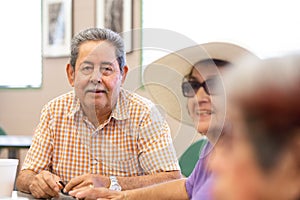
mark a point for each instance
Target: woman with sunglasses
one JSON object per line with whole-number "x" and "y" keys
{"x": 189, "y": 79}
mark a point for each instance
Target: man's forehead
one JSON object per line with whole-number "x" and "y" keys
{"x": 92, "y": 49}
{"x": 95, "y": 45}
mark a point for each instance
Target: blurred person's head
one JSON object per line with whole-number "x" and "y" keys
{"x": 263, "y": 161}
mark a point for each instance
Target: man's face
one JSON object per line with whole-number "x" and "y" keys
{"x": 97, "y": 78}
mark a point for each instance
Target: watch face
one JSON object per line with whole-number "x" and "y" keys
{"x": 115, "y": 187}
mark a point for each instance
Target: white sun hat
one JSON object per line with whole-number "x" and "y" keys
{"x": 163, "y": 77}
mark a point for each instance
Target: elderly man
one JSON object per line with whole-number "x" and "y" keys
{"x": 99, "y": 133}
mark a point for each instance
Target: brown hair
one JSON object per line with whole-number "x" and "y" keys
{"x": 218, "y": 62}
{"x": 270, "y": 107}
{"x": 273, "y": 118}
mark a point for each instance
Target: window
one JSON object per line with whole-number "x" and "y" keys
{"x": 267, "y": 28}
{"x": 21, "y": 63}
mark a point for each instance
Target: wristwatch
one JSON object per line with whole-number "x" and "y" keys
{"x": 114, "y": 185}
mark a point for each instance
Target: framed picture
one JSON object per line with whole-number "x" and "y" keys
{"x": 117, "y": 16}
{"x": 57, "y": 27}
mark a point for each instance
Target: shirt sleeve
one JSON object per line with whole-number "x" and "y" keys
{"x": 189, "y": 184}
{"x": 38, "y": 157}
{"x": 199, "y": 178}
{"x": 157, "y": 152}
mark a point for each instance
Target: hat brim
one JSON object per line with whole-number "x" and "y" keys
{"x": 163, "y": 77}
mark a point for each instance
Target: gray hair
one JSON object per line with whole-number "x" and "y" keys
{"x": 98, "y": 34}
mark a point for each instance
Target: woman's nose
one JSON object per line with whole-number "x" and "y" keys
{"x": 201, "y": 95}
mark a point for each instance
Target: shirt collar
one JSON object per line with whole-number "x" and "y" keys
{"x": 75, "y": 107}
{"x": 120, "y": 112}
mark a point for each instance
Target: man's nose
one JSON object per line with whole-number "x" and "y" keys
{"x": 96, "y": 76}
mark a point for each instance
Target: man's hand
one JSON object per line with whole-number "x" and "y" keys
{"x": 87, "y": 180}
{"x": 45, "y": 185}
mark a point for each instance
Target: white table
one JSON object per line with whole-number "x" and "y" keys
{"x": 14, "y": 143}
{"x": 61, "y": 196}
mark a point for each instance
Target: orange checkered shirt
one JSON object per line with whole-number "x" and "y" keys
{"x": 135, "y": 140}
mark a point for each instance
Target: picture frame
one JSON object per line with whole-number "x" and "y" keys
{"x": 57, "y": 27}
{"x": 117, "y": 16}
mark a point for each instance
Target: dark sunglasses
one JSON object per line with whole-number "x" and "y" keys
{"x": 210, "y": 86}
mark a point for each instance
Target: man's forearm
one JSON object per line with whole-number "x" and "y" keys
{"x": 128, "y": 183}
{"x": 24, "y": 179}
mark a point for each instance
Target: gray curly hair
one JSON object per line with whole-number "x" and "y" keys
{"x": 98, "y": 34}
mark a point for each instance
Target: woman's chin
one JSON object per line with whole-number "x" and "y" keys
{"x": 202, "y": 128}
{"x": 202, "y": 122}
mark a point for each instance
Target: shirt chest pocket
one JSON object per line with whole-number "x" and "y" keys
{"x": 123, "y": 168}
{"x": 118, "y": 147}
{"x": 120, "y": 158}
{"x": 118, "y": 152}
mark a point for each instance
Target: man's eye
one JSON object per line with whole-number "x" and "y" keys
{"x": 106, "y": 70}
{"x": 87, "y": 69}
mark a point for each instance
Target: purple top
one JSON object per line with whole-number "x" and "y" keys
{"x": 198, "y": 184}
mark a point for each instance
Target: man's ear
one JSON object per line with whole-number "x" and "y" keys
{"x": 71, "y": 74}
{"x": 124, "y": 73}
